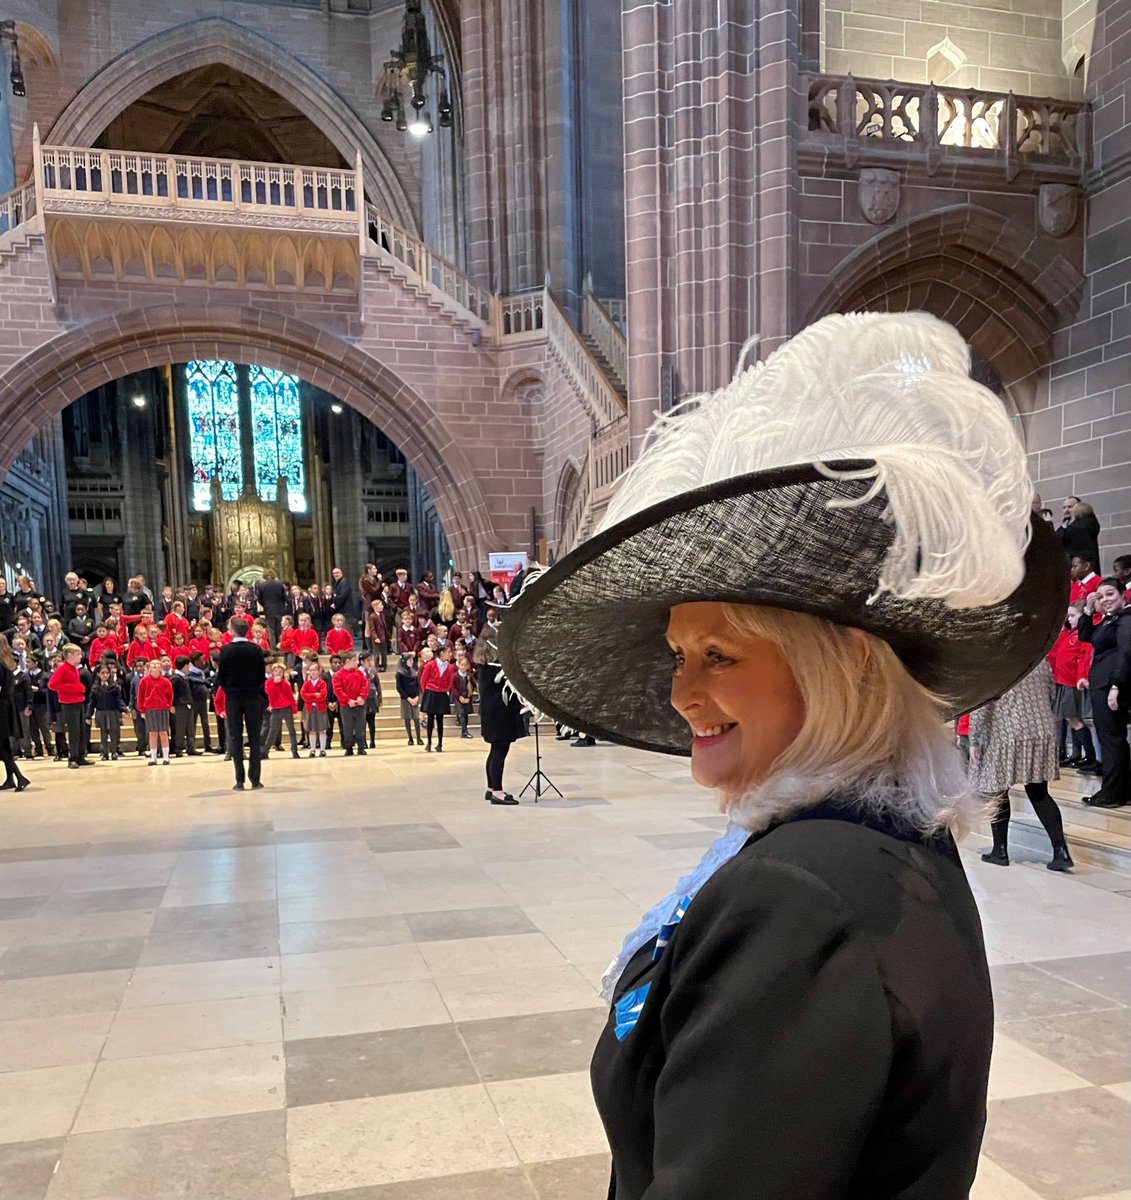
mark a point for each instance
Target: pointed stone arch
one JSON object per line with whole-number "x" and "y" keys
{"x": 1005, "y": 288}
{"x": 217, "y": 40}
{"x": 42, "y": 384}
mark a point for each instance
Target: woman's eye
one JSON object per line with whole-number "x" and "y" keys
{"x": 716, "y": 656}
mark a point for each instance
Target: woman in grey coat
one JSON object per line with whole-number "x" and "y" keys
{"x": 1013, "y": 740}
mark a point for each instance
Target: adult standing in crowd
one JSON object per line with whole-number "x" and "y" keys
{"x": 273, "y": 599}
{"x": 1109, "y": 682}
{"x": 501, "y": 720}
{"x": 7, "y": 608}
{"x": 242, "y": 673}
{"x": 342, "y": 599}
{"x": 10, "y": 726}
{"x": 1013, "y": 740}
{"x": 108, "y": 594}
{"x": 74, "y": 594}
{"x": 1080, "y": 529}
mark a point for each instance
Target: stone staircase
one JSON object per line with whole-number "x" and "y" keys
{"x": 1098, "y": 837}
{"x": 594, "y": 347}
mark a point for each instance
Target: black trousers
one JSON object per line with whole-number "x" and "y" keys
{"x": 278, "y": 718}
{"x": 245, "y": 716}
{"x": 76, "y": 727}
{"x": 496, "y": 760}
{"x": 434, "y": 722}
{"x": 182, "y": 739}
{"x": 463, "y": 711}
{"x": 1111, "y": 728}
{"x": 200, "y": 713}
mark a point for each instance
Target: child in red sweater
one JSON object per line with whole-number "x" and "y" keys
{"x": 339, "y": 640}
{"x": 67, "y": 685}
{"x": 281, "y": 707}
{"x": 351, "y": 686}
{"x": 286, "y": 643}
{"x": 315, "y": 694}
{"x": 155, "y": 702}
{"x": 1071, "y": 660}
{"x": 305, "y": 637}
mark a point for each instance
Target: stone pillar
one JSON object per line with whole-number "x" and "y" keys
{"x": 347, "y": 480}
{"x": 140, "y": 484}
{"x": 1081, "y": 446}
{"x": 709, "y": 136}
{"x": 178, "y": 489}
{"x": 502, "y": 42}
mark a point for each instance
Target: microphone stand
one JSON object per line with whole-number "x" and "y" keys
{"x": 539, "y": 781}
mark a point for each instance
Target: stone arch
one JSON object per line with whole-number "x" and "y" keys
{"x": 1005, "y": 289}
{"x": 217, "y": 40}
{"x": 42, "y": 384}
{"x": 566, "y": 500}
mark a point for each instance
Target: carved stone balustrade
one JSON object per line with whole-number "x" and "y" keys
{"x": 880, "y": 122}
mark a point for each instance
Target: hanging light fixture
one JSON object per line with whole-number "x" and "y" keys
{"x": 401, "y": 88}
{"x": 16, "y": 75}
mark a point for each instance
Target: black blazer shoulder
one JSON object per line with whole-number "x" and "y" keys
{"x": 819, "y": 1023}
{"x": 242, "y": 668}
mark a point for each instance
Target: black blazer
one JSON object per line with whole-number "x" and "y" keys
{"x": 819, "y": 1026}
{"x": 1111, "y": 651}
{"x": 274, "y": 597}
{"x": 242, "y": 670}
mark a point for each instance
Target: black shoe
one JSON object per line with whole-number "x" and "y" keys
{"x": 584, "y": 741}
{"x": 104, "y": 757}
{"x": 428, "y": 748}
{"x": 294, "y": 754}
{"x": 996, "y": 856}
{"x": 9, "y": 785}
{"x": 22, "y": 782}
{"x": 113, "y": 758}
{"x": 465, "y": 735}
{"x": 348, "y": 753}
{"x": 1099, "y": 800}
{"x": 362, "y": 751}
{"x": 372, "y": 744}
{"x": 257, "y": 787}
{"x": 237, "y": 787}
{"x": 507, "y": 799}
{"x": 321, "y": 753}
{"x": 419, "y": 742}
{"x": 193, "y": 753}
{"x": 164, "y": 762}
{"x": 1067, "y": 760}
{"x": 312, "y": 754}
{"x": 152, "y": 763}
{"x": 488, "y": 795}
{"x": 1061, "y": 859}
{"x": 1090, "y": 768}
{"x": 440, "y": 748}
{"x": 410, "y": 742}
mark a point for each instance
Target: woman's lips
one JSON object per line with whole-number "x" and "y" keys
{"x": 710, "y": 736}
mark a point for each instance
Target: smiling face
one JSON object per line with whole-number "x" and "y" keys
{"x": 737, "y": 694}
{"x": 1110, "y": 599}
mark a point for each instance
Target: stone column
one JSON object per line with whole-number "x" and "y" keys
{"x": 140, "y": 484}
{"x": 347, "y": 480}
{"x": 709, "y": 137}
{"x": 503, "y": 117}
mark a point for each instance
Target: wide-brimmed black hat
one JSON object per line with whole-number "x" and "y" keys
{"x": 859, "y": 474}
{"x": 584, "y": 641}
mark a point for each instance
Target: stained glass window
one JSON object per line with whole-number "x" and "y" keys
{"x": 276, "y": 425}
{"x": 214, "y": 430}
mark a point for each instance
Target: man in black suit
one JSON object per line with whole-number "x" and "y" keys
{"x": 273, "y": 598}
{"x": 242, "y": 672}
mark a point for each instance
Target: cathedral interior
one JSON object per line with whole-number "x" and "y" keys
{"x": 296, "y": 285}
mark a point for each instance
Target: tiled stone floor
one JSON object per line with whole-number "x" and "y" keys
{"x": 366, "y": 983}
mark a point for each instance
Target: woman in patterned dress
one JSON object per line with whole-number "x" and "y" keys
{"x": 1013, "y": 740}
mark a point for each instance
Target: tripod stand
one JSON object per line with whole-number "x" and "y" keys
{"x": 539, "y": 781}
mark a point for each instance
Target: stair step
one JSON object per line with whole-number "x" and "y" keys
{"x": 1099, "y": 837}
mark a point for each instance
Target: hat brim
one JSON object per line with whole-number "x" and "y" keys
{"x": 584, "y": 641}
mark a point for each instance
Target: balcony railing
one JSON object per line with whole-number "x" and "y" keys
{"x": 608, "y": 457}
{"x": 424, "y": 262}
{"x": 175, "y": 186}
{"x": 17, "y": 207}
{"x": 1017, "y": 129}
{"x": 600, "y": 325}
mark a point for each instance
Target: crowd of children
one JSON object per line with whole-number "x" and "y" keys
{"x": 97, "y": 660}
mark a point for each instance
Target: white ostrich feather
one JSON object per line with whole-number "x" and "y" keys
{"x": 891, "y": 388}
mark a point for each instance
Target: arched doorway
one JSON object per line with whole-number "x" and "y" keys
{"x": 39, "y": 387}
{"x": 1005, "y": 290}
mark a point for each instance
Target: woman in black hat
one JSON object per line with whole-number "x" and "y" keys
{"x": 847, "y": 557}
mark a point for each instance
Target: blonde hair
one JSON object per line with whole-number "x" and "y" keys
{"x": 446, "y": 605}
{"x": 871, "y": 733}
